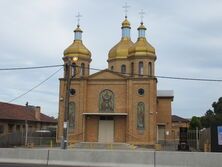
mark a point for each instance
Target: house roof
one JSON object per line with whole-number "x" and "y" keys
{"x": 176, "y": 118}
{"x": 18, "y": 112}
{"x": 165, "y": 93}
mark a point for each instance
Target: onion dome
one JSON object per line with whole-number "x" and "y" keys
{"x": 142, "y": 46}
{"x": 77, "y": 48}
{"x": 120, "y": 50}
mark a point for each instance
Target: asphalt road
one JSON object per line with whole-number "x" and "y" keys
{"x": 27, "y": 165}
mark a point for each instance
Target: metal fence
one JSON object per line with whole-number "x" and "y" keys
{"x": 32, "y": 140}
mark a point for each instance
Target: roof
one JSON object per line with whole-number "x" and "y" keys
{"x": 165, "y": 93}
{"x": 18, "y": 112}
{"x": 176, "y": 118}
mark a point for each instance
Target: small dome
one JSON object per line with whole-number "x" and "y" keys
{"x": 141, "y": 26}
{"x": 78, "y": 49}
{"x": 126, "y": 24}
{"x": 142, "y": 48}
{"x": 78, "y": 29}
{"x": 120, "y": 50}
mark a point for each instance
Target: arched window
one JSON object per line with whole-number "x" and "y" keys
{"x": 150, "y": 69}
{"x": 88, "y": 69}
{"x": 112, "y": 68}
{"x": 140, "y": 116}
{"x": 73, "y": 69}
{"x": 106, "y": 101}
{"x": 82, "y": 70}
{"x": 123, "y": 69}
{"x": 132, "y": 68}
{"x": 140, "y": 68}
{"x": 72, "y": 116}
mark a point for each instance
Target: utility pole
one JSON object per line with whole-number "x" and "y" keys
{"x": 67, "y": 93}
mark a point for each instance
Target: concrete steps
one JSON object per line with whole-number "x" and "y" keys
{"x": 95, "y": 145}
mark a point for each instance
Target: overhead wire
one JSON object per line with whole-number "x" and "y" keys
{"x": 165, "y": 77}
{"x": 29, "y": 68}
{"x": 96, "y": 69}
{"x": 23, "y": 94}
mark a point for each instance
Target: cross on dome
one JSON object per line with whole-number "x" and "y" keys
{"x": 142, "y": 13}
{"x": 78, "y": 18}
{"x": 126, "y": 6}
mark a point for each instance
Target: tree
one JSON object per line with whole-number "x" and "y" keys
{"x": 213, "y": 116}
{"x": 217, "y": 106}
{"x": 195, "y": 123}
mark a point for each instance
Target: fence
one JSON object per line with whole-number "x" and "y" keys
{"x": 33, "y": 139}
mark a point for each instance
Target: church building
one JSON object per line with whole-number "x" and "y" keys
{"x": 120, "y": 104}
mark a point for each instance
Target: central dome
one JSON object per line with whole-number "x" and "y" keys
{"x": 120, "y": 50}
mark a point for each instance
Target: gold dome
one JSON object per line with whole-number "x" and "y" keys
{"x": 77, "y": 49}
{"x": 120, "y": 50}
{"x": 126, "y": 23}
{"x": 142, "y": 48}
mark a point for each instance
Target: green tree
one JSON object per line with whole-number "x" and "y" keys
{"x": 213, "y": 116}
{"x": 195, "y": 122}
{"x": 217, "y": 106}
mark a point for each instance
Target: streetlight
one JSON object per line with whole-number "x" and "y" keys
{"x": 68, "y": 64}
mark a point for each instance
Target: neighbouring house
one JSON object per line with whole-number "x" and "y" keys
{"x": 14, "y": 118}
{"x": 178, "y": 122}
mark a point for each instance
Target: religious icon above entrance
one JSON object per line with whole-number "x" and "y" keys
{"x": 106, "y": 101}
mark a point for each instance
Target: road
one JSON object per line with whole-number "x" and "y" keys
{"x": 27, "y": 165}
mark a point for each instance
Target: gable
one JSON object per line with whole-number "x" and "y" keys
{"x": 107, "y": 74}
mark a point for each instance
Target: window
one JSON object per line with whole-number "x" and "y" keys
{"x": 72, "y": 107}
{"x": 132, "y": 69}
{"x": 73, "y": 69}
{"x": 150, "y": 69}
{"x": 112, "y": 68}
{"x": 82, "y": 72}
{"x": 88, "y": 69}
{"x": 140, "y": 68}
{"x": 17, "y": 128}
{"x": 1, "y": 129}
{"x": 141, "y": 91}
{"x": 140, "y": 116}
{"x": 72, "y": 92}
{"x": 10, "y": 128}
{"x": 123, "y": 69}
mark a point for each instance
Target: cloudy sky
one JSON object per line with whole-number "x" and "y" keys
{"x": 186, "y": 34}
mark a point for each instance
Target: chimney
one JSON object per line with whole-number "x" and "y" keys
{"x": 37, "y": 112}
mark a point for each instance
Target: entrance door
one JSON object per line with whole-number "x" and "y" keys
{"x": 106, "y": 131}
{"x": 161, "y": 134}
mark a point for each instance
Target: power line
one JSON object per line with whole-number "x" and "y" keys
{"x": 165, "y": 77}
{"x": 23, "y": 94}
{"x": 28, "y": 68}
{"x": 96, "y": 69}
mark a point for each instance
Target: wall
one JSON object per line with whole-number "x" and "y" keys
{"x": 111, "y": 158}
{"x": 164, "y": 115}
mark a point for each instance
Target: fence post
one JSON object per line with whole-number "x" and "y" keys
{"x": 197, "y": 138}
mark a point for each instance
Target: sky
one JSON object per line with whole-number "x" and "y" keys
{"x": 186, "y": 34}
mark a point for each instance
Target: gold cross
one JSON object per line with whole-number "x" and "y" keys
{"x": 142, "y": 13}
{"x": 78, "y": 18}
{"x": 126, "y": 9}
